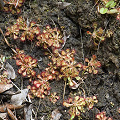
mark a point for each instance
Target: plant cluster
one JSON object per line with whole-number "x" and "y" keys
{"x": 4, "y": 78}
{"x": 50, "y": 38}
{"x": 99, "y": 35}
{"x": 102, "y": 116}
{"x": 109, "y": 7}
{"x": 13, "y": 6}
{"x": 63, "y": 65}
{"x": 92, "y": 65}
{"x": 79, "y": 104}
{"x": 29, "y": 30}
{"x": 26, "y": 63}
{"x": 40, "y": 86}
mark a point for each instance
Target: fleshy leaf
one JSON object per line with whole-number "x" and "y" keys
{"x": 103, "y": 10}
{"x": 110, "y": 4}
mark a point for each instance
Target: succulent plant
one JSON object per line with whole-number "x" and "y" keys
{"x": 78, "y": 105}
{"x": 13, "y": 6}
{"x": 13, "y": 31}
{"x": 26, "y": 63}
{"x": 53, "y": 97}
{"x": 40, "y": 87}
{"x": 28, "y": 30}
{"x": 102, "y": 116}
{"x": 92, "y": 65}
{"x": 63, "y": 65}
{"x": 50, "y": 38}
{"x": 99, "y": 34}
{"x": 4, "y": 78}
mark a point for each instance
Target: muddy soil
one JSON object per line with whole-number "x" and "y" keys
{"x": 76, "y": 19}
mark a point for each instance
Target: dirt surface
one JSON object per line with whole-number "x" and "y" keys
{"x": 76, "y": 19}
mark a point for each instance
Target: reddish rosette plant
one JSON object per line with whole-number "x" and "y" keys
{"x": 28, "y": 30}
{"x": 64, "y": 66}
{"x": 40, "y": 87}
{"x": 45, "y": 76}
{"x": 53, "y": 97}
{"x": 13, "y": 31}
{"x": 90, "y": 101}
{"x": 102, "y": 116}
{"x": 92, "y": 65}
{"x": 13, "y": 6}
{"x": 19, "y": 54}
{"x": 78, "y": 105}
{"x": 50, "y": 38}
{"x": 26, "y": 66}
{"x": 26, "y": 63}
{"x": 4, "y": 78}
{"x": 99, "y": 35}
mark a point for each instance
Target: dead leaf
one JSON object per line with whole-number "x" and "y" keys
{"x": 28, "y": 112}
{"x": 10, "y": 106}
{"x": 63, "y": 5}
{"x": 10, "y": 113}
{"x": 3, "y": 116}
{"x": 9, "y": 93}
{"x": 10, "y": 70}
{"x": 4, "y": 87}
{"x": 18, "y": 99}
{"x": 55, "y": 115}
